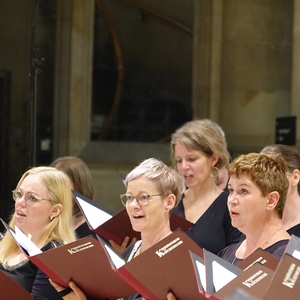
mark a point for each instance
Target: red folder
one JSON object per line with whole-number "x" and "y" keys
{"x": 261, "y": 256}
{"x": 100, "y": 272}
{"x": 286, "y": 282}
{"x": 10, "y": 290}
{"x": 254, "y": 281}
{"x": 117, "y": 227}
{"x": 165, "y": 267}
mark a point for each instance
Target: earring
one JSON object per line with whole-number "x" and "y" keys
{"x": 51, "y": 218}
{"x": 214, "y": 172}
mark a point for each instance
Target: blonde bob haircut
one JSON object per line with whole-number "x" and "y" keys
{"x": 202, "y": 135}
{"x": 61, "y": 227}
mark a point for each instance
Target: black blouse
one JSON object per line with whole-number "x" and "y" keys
{"x": 213, "y": 230}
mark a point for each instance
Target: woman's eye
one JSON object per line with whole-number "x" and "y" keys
{"x": 32, "y": 198}
{"x": 191, "y": 159}
{"x": 244, "y": 191}
{"x": 143, "y": 197}
{"x": 129, "y": 198}
{"x": 19, "y": 194}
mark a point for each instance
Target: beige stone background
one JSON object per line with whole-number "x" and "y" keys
{"x": 240, "y": 68}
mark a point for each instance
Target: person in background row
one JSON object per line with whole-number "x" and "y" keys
{"x": 82, "y": 182}
{"x": 223, "y": 176}
{"x": 153, "y": 190}
{"x": 199, "y": 151}
{"x": 291, "y": 213}
{"x": 257, "y": 193}
{"x": 43, "y": 211}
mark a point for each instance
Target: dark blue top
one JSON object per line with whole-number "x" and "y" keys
{"x": 276, "y": 250}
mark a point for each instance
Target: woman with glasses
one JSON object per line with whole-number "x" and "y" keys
{"x": 153, "y": 190}
{"x": 43, "y": 211}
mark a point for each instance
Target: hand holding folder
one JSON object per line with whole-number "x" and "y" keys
{"x": 102, "y": 274}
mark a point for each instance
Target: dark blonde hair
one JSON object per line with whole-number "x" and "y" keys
{"x": 289, "y": 154}
{"x": 267, "y": 172}
{"x": 202, "y": 135}
{"x": 79, "y": 173}
{"x": 168, "y": 180}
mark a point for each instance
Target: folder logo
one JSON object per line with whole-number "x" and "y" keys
{"x": 80, "y": 248}
{"x": 258, "y": 276}
{"x": 291, "y": 276}
{"x": 169, "y": 247}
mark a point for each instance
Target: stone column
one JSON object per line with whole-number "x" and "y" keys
{"x": 207, "y": 58}
{"x": 295, "y": 101}
{"x": 73, "y": 76}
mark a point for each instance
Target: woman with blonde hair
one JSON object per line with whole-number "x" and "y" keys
{"x": 43, "y": 211}
{"x": 199, "y": 151}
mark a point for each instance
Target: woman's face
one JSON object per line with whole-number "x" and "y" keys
{"x": 246, "y": 204}
{"x": 146, "y": 218}
{"x": 194, "y": 165}
{"x": 31, "y": 219}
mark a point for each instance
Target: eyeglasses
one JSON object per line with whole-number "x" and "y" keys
{"x": 30, "y": 198}
{"x": 141, "y": 199}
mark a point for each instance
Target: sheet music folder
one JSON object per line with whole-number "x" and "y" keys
{"x": 286, "y": 281}
{"x": 164, "y": 267}
{"x": 117, "y": 227}
{"x": 101, "y": 273}
{"x": 261, "y": 256}
{"x": 10, "y": 290}
{"x": 84, "y": 261}
{"x": 254, "y": 281}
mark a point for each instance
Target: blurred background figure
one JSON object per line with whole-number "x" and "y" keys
{"x": 291, "y": 213}
{"x": 82, "y": 182}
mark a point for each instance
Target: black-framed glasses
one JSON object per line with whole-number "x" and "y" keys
{"x": 30, "y": 198}
{"x": 141, "y": 199}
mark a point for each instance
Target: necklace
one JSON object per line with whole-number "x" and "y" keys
{"x": 269, "y": 239}
{"x": 264, "y": 244}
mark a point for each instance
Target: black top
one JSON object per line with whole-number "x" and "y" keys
{"x": 294, "y": 230}
{"x": 276, "y": 250}
{"x": 213, "y": 230}
{"x": 83, "y": 230}
{"x": 127, "y": 255}
{"x": 33, "y": 279}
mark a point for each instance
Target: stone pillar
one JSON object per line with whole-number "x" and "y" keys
{"x": 73, "y": 76}
{"x": 207, "y": 58}
{"x": 295, "y": 101}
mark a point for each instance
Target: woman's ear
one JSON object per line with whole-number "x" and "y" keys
{"x": 295, "y": 176}
{"x": 56, "y": 210}
{"x": 170, "y": 201}
{"x": 214, "y": 159}
{"x": 273, "y": 199}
